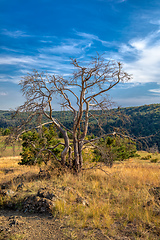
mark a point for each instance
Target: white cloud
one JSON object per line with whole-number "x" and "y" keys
{"x": 9, "y": 49}
{"x": 125, "y": 48}
{"x": 93, "y": 37}
{"x": 66, "y": 48}
{"x": 71, "y": 47}
{"x": 9, "y": 60}
{"x": 117, "y": 1}
{"x": 144, "y": 55}
{"x": 3, "y": 93}
{"x": 154, "y": 90}
{"x": 139, "y": 44}
{"x": 155, "y": 22}
{"x": 46, "y": 41}
{"x": 14, "y": 34}
{"x": 120, "y": 1}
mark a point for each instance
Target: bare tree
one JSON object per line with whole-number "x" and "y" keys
{"x": 86, "y": 89}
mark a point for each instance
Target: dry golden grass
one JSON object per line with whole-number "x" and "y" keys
{"x": 118, "y": 201}
{"x": 6, "y": 151}
{"x": 10, "y": 164}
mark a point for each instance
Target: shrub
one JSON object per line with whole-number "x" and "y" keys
{"x": 114, "y": 149}
{"x": 6, "y": 132}
{"x": 154, "y": 160}
{"x": 146, "y": 157}
{"x": 35, "y": 143}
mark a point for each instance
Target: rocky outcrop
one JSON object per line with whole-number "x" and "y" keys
{"x": 42, "y": 202}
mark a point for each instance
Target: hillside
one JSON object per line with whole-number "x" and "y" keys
{"x": 115, "y": 203}
{"x": 136, "y": 121}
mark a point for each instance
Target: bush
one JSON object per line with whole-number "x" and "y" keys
{"x": 146, "y": 157}
{"x": 35, "y": 143}
{"x": 154, "y": 160}
{"x": 114, "y": 149}
{"x": 6, "y": 132}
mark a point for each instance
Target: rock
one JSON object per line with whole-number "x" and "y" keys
{"x": 45, "y": 193}
{"x": 44, "y": 174}
{"x": 13, "y": 222}
{"x": 42, "y": 202}
{"x": 8, "y": 192}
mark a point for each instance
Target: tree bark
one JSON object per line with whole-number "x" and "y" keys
{"x": 76, "y": 154}
{"x": 66, "y": 149}
{"x": 80, "y": 145}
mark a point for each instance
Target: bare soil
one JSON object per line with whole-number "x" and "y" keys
{"x": 28, "y": 226}
{"x": 126, "y": 183}
{"x": 17, "y": 225}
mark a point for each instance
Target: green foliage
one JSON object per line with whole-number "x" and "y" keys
{"x": 91, "y": 136}
{"x": 6, "y": 132}
{"x": 1, "y": 131}
{"x": 60, "y": 135}
{"x": 114, "y": 149}
{"x": 35, "y": 145}
{"x": 137, "y": 121}
{"x": 146, "y": 157}
{"x": 154, "y": 160}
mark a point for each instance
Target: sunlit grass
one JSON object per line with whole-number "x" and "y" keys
{"x": 119, "y": 196}
{"x": 9, "y": 150}
{"x": 116, "y": 199}
{"x": 11, "y": 165}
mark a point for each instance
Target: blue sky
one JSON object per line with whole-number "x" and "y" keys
{"x": 45, "y": 34}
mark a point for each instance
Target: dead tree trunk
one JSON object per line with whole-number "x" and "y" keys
{"x": 86, "y": 88}
{"x": 76, "y": 154}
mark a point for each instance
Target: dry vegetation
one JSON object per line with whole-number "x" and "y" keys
{"x": 117, "y": 202}
{"x": 7, "y": 151}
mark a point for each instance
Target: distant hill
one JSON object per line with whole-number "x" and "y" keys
{"x": 136, "y": 121}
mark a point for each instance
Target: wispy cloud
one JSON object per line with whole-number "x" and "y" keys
{"x": 3, "y": 93}
{"x": 93, "y": 37}
{"x": 143, "y": 57}
{"x": 9, "y": 60}
{"x": 155, "y": 90}
{"x": 69, "y": 47}
{"x": 155, "y": 22}
{"x": 14, "y": 34}
{"x": 115, "y": 1}
{"x": 10, "y": 49}
{"x": 65, "y": 49}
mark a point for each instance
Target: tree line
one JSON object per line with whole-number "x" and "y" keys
{"x": 84, "y": 93}
{"x": 138, "y": 122}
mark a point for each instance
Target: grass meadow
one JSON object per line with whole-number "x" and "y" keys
{"x": 119, "y": 199}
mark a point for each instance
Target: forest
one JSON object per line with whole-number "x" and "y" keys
{"x": 141, "y": 123}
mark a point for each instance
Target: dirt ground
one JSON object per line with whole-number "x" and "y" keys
{"x": 15, "y": 225}
{"x": 123, "y": 188}
{"x": 29, "y": 226}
